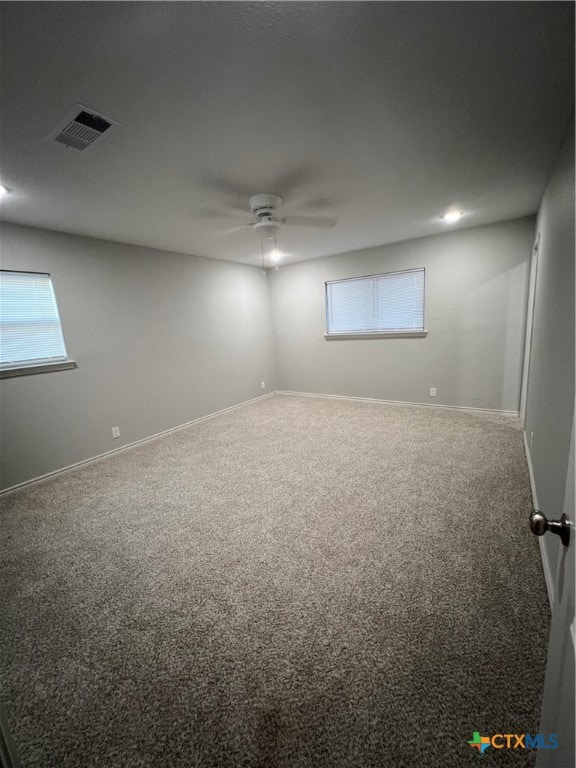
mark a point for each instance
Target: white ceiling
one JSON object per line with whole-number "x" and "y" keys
{"x": 380, "y": 114}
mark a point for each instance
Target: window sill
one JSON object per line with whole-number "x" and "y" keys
{"x": 30, "y": 370}
{"x": 377, "y": 335}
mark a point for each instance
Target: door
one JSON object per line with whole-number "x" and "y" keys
{"x": 559, "y": 687}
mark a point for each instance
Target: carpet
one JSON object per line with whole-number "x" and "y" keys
{"x": 300, "y": 583}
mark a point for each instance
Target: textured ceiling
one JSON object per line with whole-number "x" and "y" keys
{"x": 381, "y": 115}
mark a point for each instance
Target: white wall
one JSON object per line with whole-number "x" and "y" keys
{"x": 160, "y": 339}
{"x": 476, "y": 283}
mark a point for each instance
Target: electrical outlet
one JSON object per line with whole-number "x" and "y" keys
{"x": 432, "y": 391}
{"x": 263, "y": 385}
{"x": 115, "y": 432}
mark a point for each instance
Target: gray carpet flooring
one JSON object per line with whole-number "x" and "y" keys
{"x": 301, "y": 583}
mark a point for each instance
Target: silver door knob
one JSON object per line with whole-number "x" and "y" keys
{"x": 539, "y": 524}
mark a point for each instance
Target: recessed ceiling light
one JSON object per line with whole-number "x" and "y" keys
{"x": 452, "y": 216}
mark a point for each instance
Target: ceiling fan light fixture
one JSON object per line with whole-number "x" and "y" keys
{"x": 266, "y": 228}
{"x": 451, "y": 216}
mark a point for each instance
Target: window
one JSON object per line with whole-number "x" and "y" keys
{"x": 377, "y": 305}
{"x": 31, "y": 338}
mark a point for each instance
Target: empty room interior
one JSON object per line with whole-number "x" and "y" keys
{"x": 287, "y": 364}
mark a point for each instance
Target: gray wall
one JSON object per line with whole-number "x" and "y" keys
{"x": 550, "y": 396}
{"x": 476, "y": 283}
{"x": 160, "y": 339}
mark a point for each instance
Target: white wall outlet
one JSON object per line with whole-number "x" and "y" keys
{"x": 432, "y": 391}
{"x": 263, "y": 384}
{"x": 115, "y": 432}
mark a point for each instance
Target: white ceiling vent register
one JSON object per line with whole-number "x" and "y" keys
{"x": 83, "y": 128}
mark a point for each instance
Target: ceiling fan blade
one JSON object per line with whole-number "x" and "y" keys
{"x": 314, "y": 222}
{"x": 223, "y": 213}
{"x": 239, "y": 228}
{"x": 319, "y": 203}
{"x": 293, "y": 182}
{"x": 228, "y": 188}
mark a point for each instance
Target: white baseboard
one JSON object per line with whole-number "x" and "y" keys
{"x": 106, "y": 454}
{"x": 514, "y": 414}
{"x": 548, "y": 575}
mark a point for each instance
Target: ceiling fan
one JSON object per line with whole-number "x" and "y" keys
{"x": 266, "y": 217}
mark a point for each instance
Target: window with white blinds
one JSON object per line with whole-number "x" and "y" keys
{"x": 388, "y": 303}
{"x": 30, "y": 331}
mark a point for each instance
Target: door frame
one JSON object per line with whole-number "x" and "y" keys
{"x": 531, "y": 300}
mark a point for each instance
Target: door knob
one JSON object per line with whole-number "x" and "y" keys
{"x": 539, "y": 524}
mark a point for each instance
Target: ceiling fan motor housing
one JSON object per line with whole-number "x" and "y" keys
{"x": 265, "y": 205}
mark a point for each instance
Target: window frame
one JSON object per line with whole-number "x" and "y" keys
{"x": 377, "y": 334}
{"x": 29, "y": 367}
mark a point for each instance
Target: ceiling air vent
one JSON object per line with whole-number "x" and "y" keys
{"x": 83, "y": 128}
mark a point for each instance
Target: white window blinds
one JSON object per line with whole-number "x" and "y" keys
{"x": 30, "y": 332}
{"x": 390, "y": 303}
